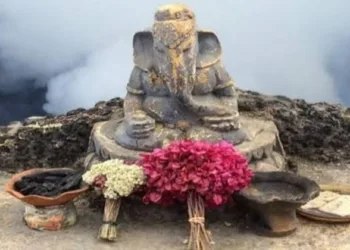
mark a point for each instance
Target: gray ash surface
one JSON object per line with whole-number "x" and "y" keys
{"x": 276, "y": 190}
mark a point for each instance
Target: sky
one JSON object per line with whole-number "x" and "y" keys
{"x": 81, "y": 50}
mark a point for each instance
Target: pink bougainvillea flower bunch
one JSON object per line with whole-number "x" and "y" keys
{"x": 213, "y": 170}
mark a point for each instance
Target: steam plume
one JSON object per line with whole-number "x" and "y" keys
{"x": 82, "y": 50}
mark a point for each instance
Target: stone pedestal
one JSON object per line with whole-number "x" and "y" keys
{"x": 50, "y": 218}
{"x": 262, "y": 146}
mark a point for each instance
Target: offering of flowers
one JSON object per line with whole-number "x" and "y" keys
{"x": 115, "y": 179}
{"x": 203, "y": 174}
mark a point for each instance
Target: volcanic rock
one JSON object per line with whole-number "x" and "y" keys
{"x": 59, "y": 141}
{"x": 318, "y": 132}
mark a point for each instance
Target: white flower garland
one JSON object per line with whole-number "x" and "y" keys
{"x": 122, "y": 179}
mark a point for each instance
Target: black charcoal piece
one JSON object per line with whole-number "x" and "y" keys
{"x": 53, "y": 179}
{"x": 71, "y": 181}
{"x": 49, "y": 186}
{"x": 28, "y": 189}
{"x": 50, "y": 183}
{"x": 39, "y": 176}
{"x": 19, "y": 185}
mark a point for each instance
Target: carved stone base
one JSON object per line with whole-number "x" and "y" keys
{"x": 261, "y": 146}
{"x": 50, "y": 218}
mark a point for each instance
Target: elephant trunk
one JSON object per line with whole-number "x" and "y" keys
{"x": 181, "y": 80}
{"x": 181, "y": 89}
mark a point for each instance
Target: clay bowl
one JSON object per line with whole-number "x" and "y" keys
{"x": 42, "y": 201}
{"x": 272, "y": 199}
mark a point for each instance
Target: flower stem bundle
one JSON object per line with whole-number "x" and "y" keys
{"x": 200, "y": 238}
{"x": 115, "y": 179}
{"x": 202, "y": 173}
{"x": 108, "y": 230}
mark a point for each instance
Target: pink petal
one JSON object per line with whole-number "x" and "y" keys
{"x": 217, "y": 199}
{"x": 154, "y": 197}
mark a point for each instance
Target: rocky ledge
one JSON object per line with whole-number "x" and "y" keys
{"x": 318, "y": 132}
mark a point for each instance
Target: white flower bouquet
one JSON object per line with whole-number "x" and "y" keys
{"x": 115, "y": 179}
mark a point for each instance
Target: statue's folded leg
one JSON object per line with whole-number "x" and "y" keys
{"x": 160, "y": 137}
{"x": 144, "y": 144}
{"x": 201, "y": 133}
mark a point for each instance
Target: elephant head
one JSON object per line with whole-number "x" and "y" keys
{"x": 175, "y": 48}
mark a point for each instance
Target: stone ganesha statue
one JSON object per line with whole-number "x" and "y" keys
{"x": 179, "y": 89}
{"x": 178, "y": 77}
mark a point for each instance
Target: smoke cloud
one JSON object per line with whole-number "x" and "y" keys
{"x": 82, "y": 50}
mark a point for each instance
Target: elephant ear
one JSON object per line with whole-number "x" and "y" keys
{"x": 143, "y": 49}
{"x": 209, "y": 49}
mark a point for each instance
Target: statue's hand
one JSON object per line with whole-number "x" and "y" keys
{"x": 222, "y": 123}
{"x": 140, "y": 125}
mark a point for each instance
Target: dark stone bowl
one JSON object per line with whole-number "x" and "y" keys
{"x": 272, "y": 199}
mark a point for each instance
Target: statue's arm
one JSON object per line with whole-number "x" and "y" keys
{"x": 135, "y": 93}
{"x": 139, "y": 124}
{"x": 225, "y": 87}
